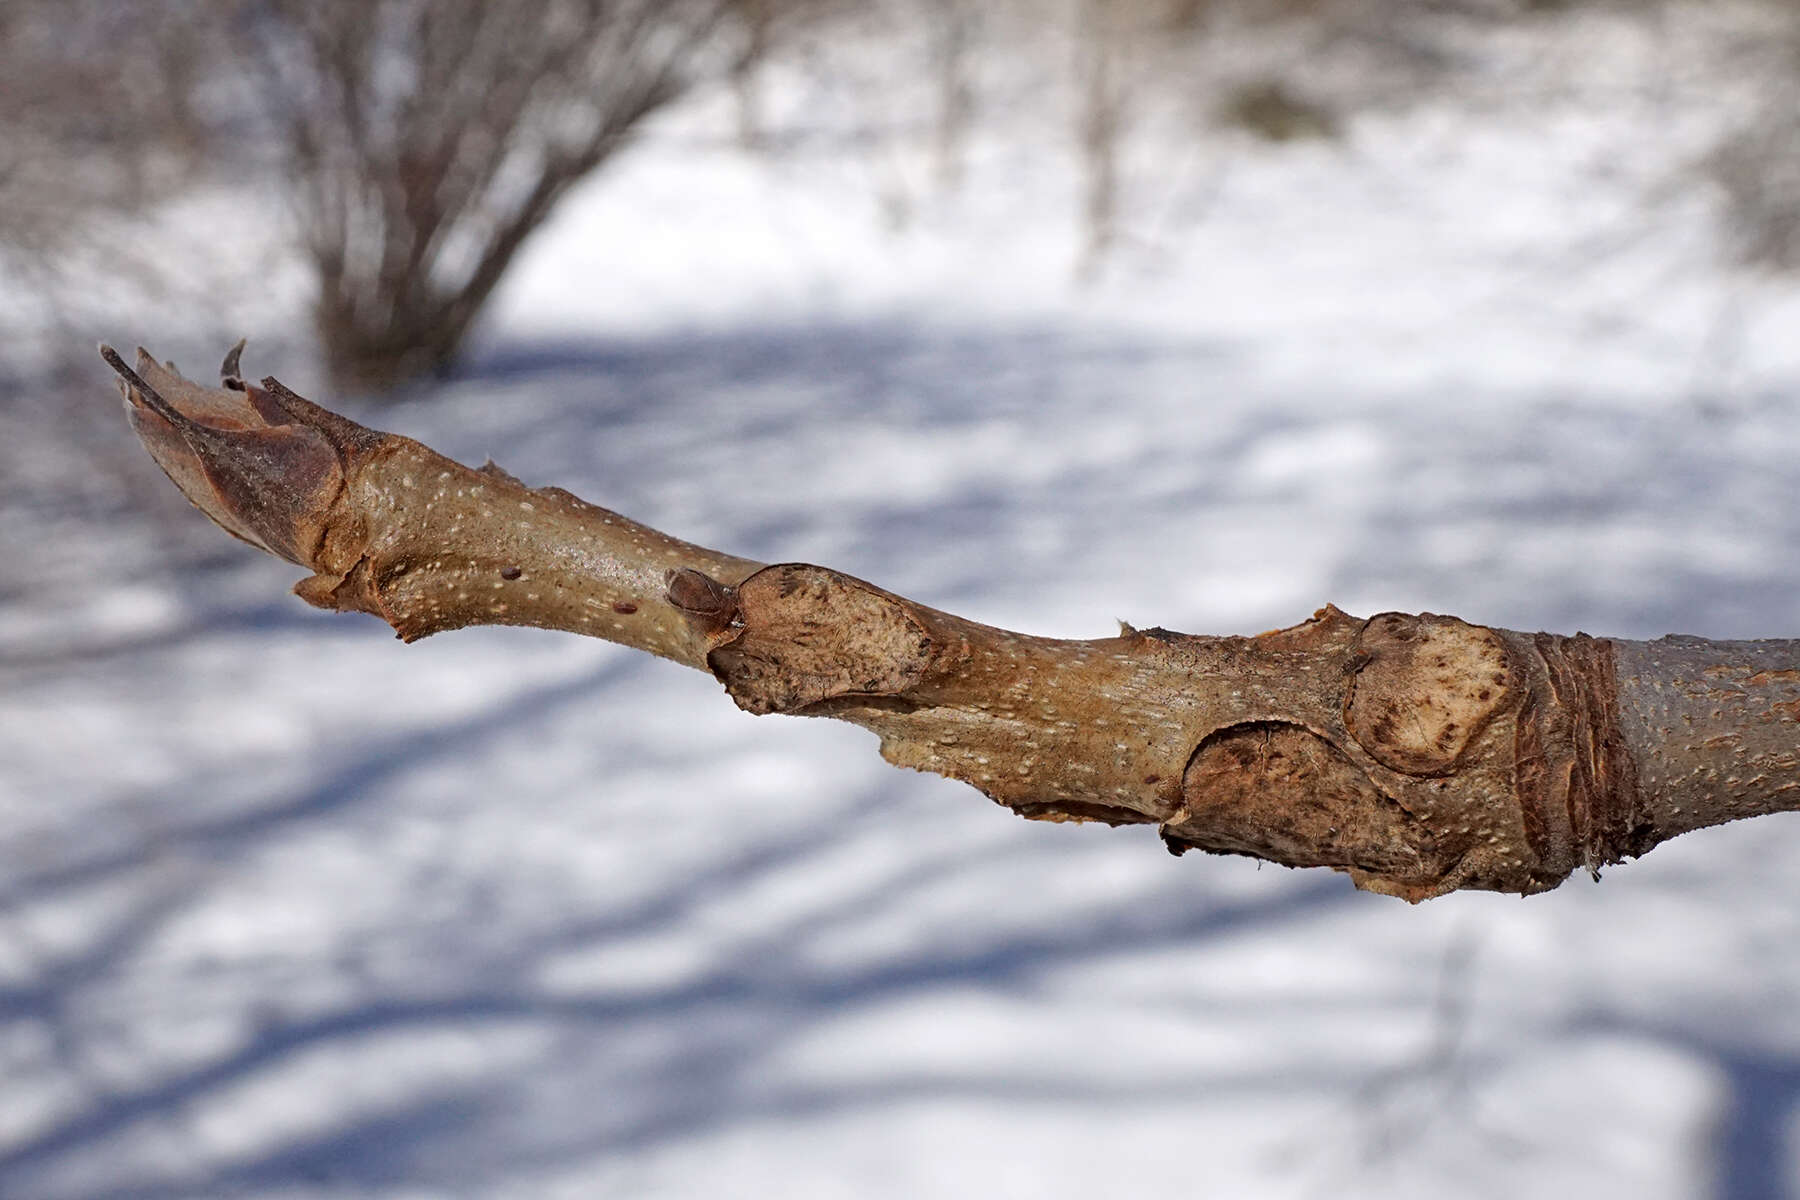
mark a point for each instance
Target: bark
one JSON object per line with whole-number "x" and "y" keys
{"x": 1420, "y": 754}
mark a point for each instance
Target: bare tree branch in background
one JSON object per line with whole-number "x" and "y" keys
{"x": 1100, "y": 127}
{"x": 957, "y": 23}
{"x": 1419, "y": 754}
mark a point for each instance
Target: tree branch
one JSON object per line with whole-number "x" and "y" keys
{"x": 1419, "y": 754}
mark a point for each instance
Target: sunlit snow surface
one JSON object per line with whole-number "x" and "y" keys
{"x": 290, "y": 910}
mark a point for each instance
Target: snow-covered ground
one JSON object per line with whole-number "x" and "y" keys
{"x": 290, "y": 910}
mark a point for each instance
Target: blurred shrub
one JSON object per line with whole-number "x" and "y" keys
{"x": 424, "y": 140}
{"x": 1271, "y": 110}
{"x": 421, "y": 142}
{"x": 1755, "y": 163}
{"x": 95, "y": 116}
{"x": 1757, "y": 169}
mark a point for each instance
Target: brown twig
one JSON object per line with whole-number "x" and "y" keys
{"x": 1420, "y": 754}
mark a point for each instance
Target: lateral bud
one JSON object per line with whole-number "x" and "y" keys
{"x": 803, "y": 634}
{"x": 708, "y": 605}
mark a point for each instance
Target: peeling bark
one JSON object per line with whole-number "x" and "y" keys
{"x": 1420, "y": 754}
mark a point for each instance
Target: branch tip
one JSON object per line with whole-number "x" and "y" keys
{"x": 152, "y": 398}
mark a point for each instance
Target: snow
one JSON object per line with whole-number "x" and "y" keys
{"x": 288, "y": 909}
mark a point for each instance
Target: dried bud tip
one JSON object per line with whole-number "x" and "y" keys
{"x": 149, "y": 396}
{"x": 239, "y": 456}
{"x": 228, "y": 370}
